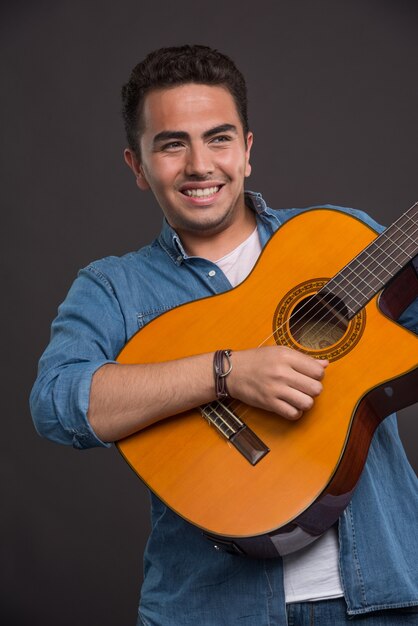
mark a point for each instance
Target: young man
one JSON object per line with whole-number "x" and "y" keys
{"x": 189, "y": 143}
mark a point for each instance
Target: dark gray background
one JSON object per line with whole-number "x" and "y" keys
{"x": 333, "y": 104}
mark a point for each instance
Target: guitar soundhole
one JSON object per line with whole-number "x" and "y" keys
{"x": 314, "y": 321}
{"x": 318, "y": 324}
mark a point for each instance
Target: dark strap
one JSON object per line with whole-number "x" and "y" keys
{"x": 220, "y": 373}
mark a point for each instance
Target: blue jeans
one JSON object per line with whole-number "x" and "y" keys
{"x": 328, "y": 613}
{"x": 334, "y": 613}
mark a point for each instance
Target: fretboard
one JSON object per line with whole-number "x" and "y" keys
{"x": 376, "y": 265}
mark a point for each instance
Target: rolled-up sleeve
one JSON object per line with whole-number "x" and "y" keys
{"x": 88, "y": 332}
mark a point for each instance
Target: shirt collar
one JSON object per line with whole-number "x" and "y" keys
{"x": 171, "y": 243}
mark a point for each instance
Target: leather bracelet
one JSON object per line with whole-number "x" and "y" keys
{"x": 221, "y": 374}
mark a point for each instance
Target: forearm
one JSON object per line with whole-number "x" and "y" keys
{"x": 127, "y": 398}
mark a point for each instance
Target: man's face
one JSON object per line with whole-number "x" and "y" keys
{"x": 193, "y": 157}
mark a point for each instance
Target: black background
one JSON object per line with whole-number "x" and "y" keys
{"x": 333, "y": 95}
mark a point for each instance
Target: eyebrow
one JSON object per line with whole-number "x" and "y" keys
{"x": 223, "y": 128}
{"x": 166, "y": 135}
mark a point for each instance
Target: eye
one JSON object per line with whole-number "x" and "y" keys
{"x": 221, "y": 139}
{"x": 172, "y": 146}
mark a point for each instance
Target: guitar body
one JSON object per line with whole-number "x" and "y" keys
{"x": 307, "y": 478}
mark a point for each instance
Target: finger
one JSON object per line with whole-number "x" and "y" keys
{"x": 297, "y": 399}
{"x": 286, "y": 410}
{"x": 305, "y": 384}
{"x": 307, "y": 365}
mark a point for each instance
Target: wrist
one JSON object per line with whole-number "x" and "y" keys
{"x": 222, "y": 367}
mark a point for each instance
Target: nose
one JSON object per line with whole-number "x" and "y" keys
{"x": 198, "y": 161}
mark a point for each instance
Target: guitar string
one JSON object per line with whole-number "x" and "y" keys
{"x": 369, "y": 271}
{"x": 220, "y": 417}
{"x": 363, "y": 268}
{"x": 343, "y": 291}
{"x": 380, "y": 250}
{"x": 389, "y": 242}
{"x": 238, "y": 404}
{"x": 386, "y": 253}
{"x": 390, "y": 272}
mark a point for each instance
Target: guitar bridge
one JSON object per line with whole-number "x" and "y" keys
{"x": 244, "y": 439}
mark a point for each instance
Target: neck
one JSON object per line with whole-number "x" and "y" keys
{"x": 216, "y": 244}
{"x": 372, "y": 269}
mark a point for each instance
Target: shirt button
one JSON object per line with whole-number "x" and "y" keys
{"x": 212, "y": 273}
{"x": 179, "y": 258}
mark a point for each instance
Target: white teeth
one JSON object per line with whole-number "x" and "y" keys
{"x": 199, "y": 193}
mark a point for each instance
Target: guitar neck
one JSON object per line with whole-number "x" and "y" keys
{"x": 371, "y": 270}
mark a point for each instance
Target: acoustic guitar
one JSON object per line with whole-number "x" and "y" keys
{"x": 253, "y": 482}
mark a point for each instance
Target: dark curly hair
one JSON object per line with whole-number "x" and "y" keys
{"x": 168, "y": 67}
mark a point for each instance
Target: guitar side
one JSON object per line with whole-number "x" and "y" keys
{"x": 312, "y": 463}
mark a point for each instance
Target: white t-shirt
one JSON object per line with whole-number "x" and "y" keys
{"x": 313, "y": 572}
{"x": 236, "y": 265}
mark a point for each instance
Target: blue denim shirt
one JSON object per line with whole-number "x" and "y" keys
{"x": 186, "y": 580}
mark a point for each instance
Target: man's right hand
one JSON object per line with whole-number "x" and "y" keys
{"x": 276, "y": 378}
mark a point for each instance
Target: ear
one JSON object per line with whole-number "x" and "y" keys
{"x": 250, "y": 138}
{"x": 132, "y": 162}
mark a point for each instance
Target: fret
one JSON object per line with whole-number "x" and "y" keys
{"x": 396, "y": 248}
{"x": 345, "y": 291}
{"x": 410, "y": 236}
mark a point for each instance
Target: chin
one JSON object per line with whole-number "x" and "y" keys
{"x": 209, "y": 226}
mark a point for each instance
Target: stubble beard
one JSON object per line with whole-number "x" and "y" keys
{"x": 205, "y": 225}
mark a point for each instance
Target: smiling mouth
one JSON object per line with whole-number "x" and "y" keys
{"x": 202, "y": 193}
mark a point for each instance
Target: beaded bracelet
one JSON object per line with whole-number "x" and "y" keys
{"x": 220, "y": 374}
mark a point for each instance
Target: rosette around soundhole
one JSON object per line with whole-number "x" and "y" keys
{"x": 316, "y": 321}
